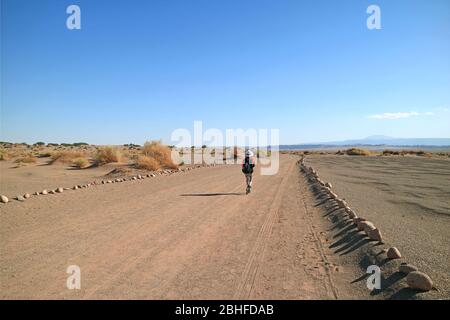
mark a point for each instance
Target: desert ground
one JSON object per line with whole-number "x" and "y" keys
{"x": 194, "y": 234}
{"x": 407, "y": 197}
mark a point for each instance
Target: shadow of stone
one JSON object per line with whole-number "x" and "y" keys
{"x": 404, "y": 294}
{"x": 347, "y": 227}
{"x": 388, "y": 282}
{"x": 363, "y": 277}
{"x": 350, "y": 236}
{"x": 335, "y": 208}
{"x": 355, "y": 246}
{"x": 322, "y": 202}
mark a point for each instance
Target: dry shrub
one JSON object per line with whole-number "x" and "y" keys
{"x": 390, "y": 153}
{"x": 159, "y": 152}
{"x": 44, "y": 155}
{"x": 357, "y": 152}
{"x": 147, "y": 163}
{"x": 26, "y": 159}
{"x": 65, "y": 156}
{"x": 107, "y": 155}
{"x": 80, "y": 162}
{"x": 424, "y": 153}
{"x": 4, "y": 155}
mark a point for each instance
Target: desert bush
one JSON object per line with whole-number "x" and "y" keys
{"x": 26, "y": 159}
{"x": 159, "y": 152}
{"x": 40, "y": 143}
{"x": 65, "y": 156}
{"x": 44, "y": 155}
{"x": 390, "y": 153}
{"x": 4, "y": 155}
{"x": 357, "y": 152}
{"x": 147, "y": 163}
{"x": 80, "y": 162}
{"x": 107, "y": 155}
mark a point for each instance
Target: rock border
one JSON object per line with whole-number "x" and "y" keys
{"x": 415, "y": 279}
{"x": 22, "y": 198}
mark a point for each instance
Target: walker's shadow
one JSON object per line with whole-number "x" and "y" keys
{"x": 211, "y": 194}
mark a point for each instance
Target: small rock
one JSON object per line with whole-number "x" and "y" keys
{"x": 362, "y": 225}
{"x": 26, "y": 195}
{"x": 134, "y": 178}
{"x": 368, "y": 226}
{"x": 75, "y": 188}
{"x": 393, "y": 253}
{"x": 375, "y": 234}
{"x": 419, "y": 280}
{"x": 36, "y": 193}
{"x": 109, "y": 181}
{"x": 44, "y": 192}
{"x": 358, "y": 220}
{"x": 328, "y": 185}
{"x": 351, "y": 214}
{"x": 407, "y": 268}
{"x": 60, "y": 190}
{"x": 20, "y": 198}
{"x": 118, "y": 180}
{"x": 4, "y": 199}
{"x": 52, "y": 192}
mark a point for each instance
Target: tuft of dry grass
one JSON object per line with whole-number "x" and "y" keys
{"x": 26, "y": 159}
{"x": 160, "y": 153}
{"x": 147, "y": 163}
{"x": 4, "y": 155}
{"x": 357, "y": 152}
{"x": 107, "y": 155}
{"x": 80, "y": 162}
{"x": 65, "y": 156}
{"x": 390, "y": 153}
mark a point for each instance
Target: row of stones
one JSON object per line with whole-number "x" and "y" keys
{"x": 415, "y": 279}
{"x": 21, "y": 198}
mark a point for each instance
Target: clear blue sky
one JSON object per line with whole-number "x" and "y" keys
{"x": 137, "y": 70}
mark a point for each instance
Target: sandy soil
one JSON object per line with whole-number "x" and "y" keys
{"x": 40, "y": 175}
{"x": 191, "y": 235}
{"x": 407, "y": 198}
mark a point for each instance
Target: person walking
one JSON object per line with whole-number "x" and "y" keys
{"x": 247, "y": 168}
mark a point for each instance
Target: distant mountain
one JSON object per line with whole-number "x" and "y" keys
{"x": 377, "y": 140}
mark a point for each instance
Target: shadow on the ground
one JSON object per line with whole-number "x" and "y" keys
{"x": 211, "y": 194}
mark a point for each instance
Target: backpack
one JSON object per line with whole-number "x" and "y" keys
{"x": 247, "y": 167}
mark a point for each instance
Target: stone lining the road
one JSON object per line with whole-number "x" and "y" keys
{"x": 416, "y": 280}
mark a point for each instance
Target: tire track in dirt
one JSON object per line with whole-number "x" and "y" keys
{"x": 246, "y": 283}
{"x": 330, "y": 286}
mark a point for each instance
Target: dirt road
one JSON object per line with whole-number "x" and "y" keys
{"x": 192, "y": 235}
